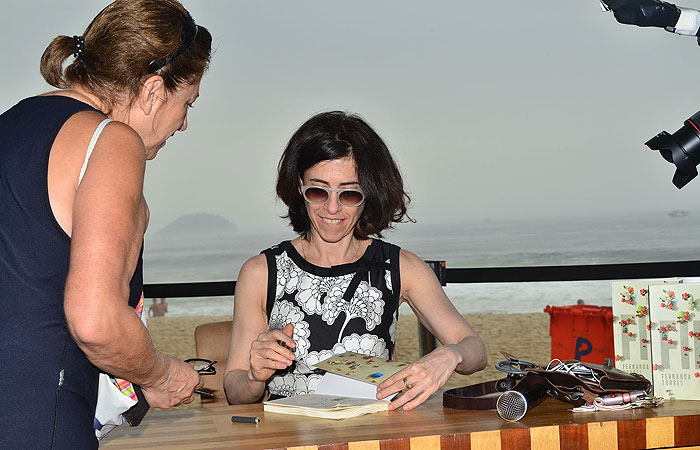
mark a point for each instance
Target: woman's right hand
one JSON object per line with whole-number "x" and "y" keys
{"x": 268, "y": 356}
{"x": 176, "y": 387}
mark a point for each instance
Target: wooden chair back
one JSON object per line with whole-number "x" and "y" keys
{"x": 211, "y": 341}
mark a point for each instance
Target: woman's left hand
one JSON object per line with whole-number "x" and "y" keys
{"x": 421, "y": 379}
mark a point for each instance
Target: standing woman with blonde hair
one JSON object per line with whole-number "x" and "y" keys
{"x": 73, "y": 219}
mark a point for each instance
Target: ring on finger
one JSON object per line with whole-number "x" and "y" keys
{"x": 407, "y": 384}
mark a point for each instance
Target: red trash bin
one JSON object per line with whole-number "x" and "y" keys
{"x": 582, "y": 332}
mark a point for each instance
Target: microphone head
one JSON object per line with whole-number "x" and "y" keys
{"x": 511, "y": 406}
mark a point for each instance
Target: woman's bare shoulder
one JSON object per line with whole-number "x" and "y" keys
{"x": 255, "y": 267}
{"x": 251, "y": 285}
{"x": 410, "y": 260}
{"x": 80, "y": 128}
{"x": 415, "y": 273}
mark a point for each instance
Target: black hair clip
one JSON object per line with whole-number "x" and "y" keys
{"x": 79, "y": 44}
{"x": 189, "y": 33}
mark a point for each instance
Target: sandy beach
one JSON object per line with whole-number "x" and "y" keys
{"x": 523, "y": 335}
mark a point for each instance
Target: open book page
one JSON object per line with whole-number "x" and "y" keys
{"x": 325, "y": 406}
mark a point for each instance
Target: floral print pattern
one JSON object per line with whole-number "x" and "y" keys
{"x": 283, "y": 313}
{"x": 394, "y": 326}
{"x": 325, "y": 323}
{"x": 287, "y": 276}
{"x": 387, "y": 277}
{"x": 367, "y": 344}
{"x": 366, "y": 304}
{"x": 292, "y": 383}
{"x": 312, "y": 289}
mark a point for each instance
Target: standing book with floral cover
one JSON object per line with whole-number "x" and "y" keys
{"x": 676, "y": 340}
{"x": 632, "y": 329}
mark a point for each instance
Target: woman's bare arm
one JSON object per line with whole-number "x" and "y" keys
{"x": 462, "y": 350}
{"x": 254, "y": 354}
{"x": 108, "y": 223}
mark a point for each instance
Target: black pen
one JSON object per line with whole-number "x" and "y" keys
{"x": 284, "y": 344}
{"x": 204, "y": 392}
{"x": 245, "y": 419}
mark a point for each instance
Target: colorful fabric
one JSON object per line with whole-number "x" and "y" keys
{"x": 139, "y": 307}
{"x": 125, "y": 386}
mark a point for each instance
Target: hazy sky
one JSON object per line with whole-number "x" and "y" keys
{"x": 500, "y": 109}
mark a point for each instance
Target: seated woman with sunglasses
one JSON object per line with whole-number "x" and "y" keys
{"x": 333, "y": 288}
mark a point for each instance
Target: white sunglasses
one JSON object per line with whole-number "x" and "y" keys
{"x": 319, "y": 195}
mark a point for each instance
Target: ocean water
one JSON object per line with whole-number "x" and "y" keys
{"x": 542, "y": 242}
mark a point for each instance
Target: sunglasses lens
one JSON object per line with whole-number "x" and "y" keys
{"x": 315, "y": 195}
{"x": 351, "y": 198}
{"x": 203, "y": 366}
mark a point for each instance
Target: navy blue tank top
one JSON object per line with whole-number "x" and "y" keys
{"x": 48, "y": 388}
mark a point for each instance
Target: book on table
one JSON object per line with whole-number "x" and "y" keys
{"x": 675, "y": 339}
{"x": 347, "y": 389}
{"x": 632, "y": 326}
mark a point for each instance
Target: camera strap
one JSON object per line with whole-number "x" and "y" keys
{"x": 477, "y": 396}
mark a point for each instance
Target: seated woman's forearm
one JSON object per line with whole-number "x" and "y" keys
{"x": 241, "y": 388}
{"x": 473, "y": 352}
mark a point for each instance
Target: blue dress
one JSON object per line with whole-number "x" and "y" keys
{"x": 48, "y": 388}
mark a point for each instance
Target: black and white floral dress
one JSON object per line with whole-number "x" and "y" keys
{"x": 351, "y": 307}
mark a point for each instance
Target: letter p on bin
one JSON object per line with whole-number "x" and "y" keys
{"x": 582, "y": 332}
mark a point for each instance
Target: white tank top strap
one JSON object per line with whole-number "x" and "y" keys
{"x": 91, "y": 146}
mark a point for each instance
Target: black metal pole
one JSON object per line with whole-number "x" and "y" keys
{"x": 426, "y": 341}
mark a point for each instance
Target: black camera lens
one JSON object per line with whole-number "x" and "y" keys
{"x": 681, "y": 148}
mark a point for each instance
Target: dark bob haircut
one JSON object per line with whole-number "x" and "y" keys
{"x": 334, "y": 135}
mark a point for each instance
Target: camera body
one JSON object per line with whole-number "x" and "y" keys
{"x": 655, "y": 13}
{"x": 681, "y": 148}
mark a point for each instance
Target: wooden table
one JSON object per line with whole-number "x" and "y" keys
{"x": 430, "y": 426}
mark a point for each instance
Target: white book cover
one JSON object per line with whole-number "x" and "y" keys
{"x": 631, "y": 327}
{"x": 334, "y": 384}
{"x": 675, "y": 331}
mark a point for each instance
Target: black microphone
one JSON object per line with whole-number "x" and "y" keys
{"x": 528, "y": 393}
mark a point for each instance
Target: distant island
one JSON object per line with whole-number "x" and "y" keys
{"x": 202, "y": 224}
